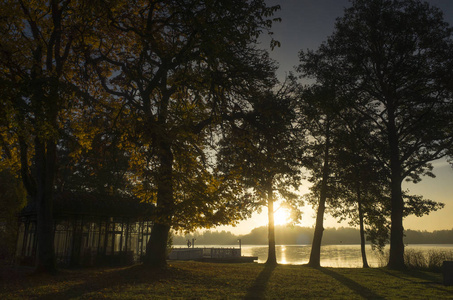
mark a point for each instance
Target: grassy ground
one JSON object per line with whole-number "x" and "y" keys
{"x": 193, "y": 280}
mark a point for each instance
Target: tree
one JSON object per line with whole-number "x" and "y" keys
{"x": 319, "y": 117}
{"x": 179, "y": 68}
{"x": 36, "y": 48}
{"x": 262, "y": 151}
{"x": 393, "y": 59}
{"x": 363, "y": 197}
{"x": 91, "y": 154}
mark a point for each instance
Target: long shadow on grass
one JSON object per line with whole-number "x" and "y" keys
{"x": 426, "y": 278}
{"x": 113, "y": 278}
{"x": 356, "y": 287}
{"x": 258, "y": 289}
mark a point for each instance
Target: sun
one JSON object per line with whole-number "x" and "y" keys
{"x": 281, "y": 216}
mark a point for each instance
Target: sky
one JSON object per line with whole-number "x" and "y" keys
{"x": 305, "y": 25}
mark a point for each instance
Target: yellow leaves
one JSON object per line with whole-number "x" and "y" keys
{"x": 82, "y": 129}
{"x": 12, "y": 162}
{"x": 92, "y": 41}
{"x": 9, "y": 142}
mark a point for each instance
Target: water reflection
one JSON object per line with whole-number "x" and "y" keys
{"x": 283, "y": 255}
{"x": 339, "y": 256}
{"x": 331, "y": 255}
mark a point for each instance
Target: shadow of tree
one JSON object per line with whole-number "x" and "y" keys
{"x": 97, "y": 282}
{"x": 427, "y": 278}
{"x": 351, "y": 284}
{"x": 258, "y": 289}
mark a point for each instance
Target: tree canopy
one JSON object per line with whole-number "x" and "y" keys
{"x": 262, "y": 150}
{"x": 392, "y": 63}
{"x": 157, "y": 78}
{"x": 173, "y": 102}
{"x": 37, "y": 72}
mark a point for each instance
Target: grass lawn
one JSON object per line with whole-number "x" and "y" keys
{"x": 194, "y": 280}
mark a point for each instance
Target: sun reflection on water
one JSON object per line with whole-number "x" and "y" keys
{"x": 282, "y": 259}
{"x": 331, "y": 255}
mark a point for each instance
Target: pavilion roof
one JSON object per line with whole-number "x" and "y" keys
{"x": 96, "y": 205}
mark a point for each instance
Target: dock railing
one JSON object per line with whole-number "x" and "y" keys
{"x": 200, "y": 253}
{"x": 221, "y": 252}
{"x": 186, "y": 254}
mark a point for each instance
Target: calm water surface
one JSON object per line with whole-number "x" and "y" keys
{"x": 346, "y": 256}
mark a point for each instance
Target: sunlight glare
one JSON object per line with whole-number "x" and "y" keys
{"x": 281, "y": 216}
{"x": 282, "y": 259}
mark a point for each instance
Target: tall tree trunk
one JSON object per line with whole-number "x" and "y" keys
{"x": 396, "y": 257}
{"x": 45, "y": 169}
{"x": 362, "y": 230}
{"x": 272, "y": 257}
{"x": 46, "y": 111}
{"x": 315, "y": 254}
{"x": 156, "y": 248}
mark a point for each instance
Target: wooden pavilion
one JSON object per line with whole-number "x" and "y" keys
{"x": 90, "y": 230}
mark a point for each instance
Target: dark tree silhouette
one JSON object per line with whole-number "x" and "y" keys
{"x": 320, "y": 119}
{"x": 393, "y": 58}
{"x": 36, "y": 69}
{"x": 362, "y": 193}
{"x": 179, "y": 68}
{"x": 262, "y": 150}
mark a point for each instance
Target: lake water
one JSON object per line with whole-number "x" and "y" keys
{"x": 346, "y": 256}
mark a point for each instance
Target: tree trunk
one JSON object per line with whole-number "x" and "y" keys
{"x": 315, "y": 254}
{"x": 271, "y": 258}
{"x": 156, "y": 248}
{"x": 396, "y": 257}
{"x": 45, "y": 169}
{"x": 46, "y": 111}
{"x": 362, "y": 230}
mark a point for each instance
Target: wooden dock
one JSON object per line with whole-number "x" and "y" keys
{"x": 219, "y": 255}
{"x": 242, "y": 259}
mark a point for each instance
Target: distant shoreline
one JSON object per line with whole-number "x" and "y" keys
{"x": 297, "y": 235}
{"x": 338, "y": 256}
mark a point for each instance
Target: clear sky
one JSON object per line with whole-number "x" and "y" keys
{"x": 305, "y": 25}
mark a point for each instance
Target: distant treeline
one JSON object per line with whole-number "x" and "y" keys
{"x": 297, "y": 235}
